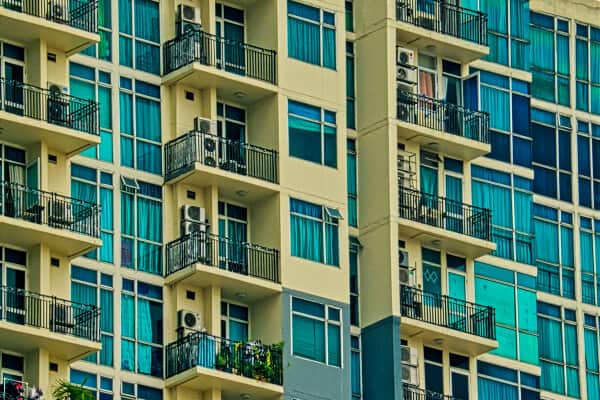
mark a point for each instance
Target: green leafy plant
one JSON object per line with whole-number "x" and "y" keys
{"x": 65, "y": 390}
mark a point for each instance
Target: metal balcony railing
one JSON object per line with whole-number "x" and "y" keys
{"x": 249, "y": 359}
{"x": 442, "y": 17}
{"x": 217, "y": 251}
{"x": 410, "y": 392}
{"x": 47, "y": 312}
{"x": 215, "y": 151}
{"x": 80, "y": 14}
{"x": 444, "y": 213}
{"x": 445, "y": 117}
{"x": 448, "y": 312}
{"x": 50, "y": 106}
{"x": 227, "y": 54}
{"x": 51, "y": 209}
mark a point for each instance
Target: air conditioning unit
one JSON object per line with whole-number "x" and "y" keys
{"x": 409, "y": 374}
{"x": 205, "y": 125}
{"x": 409, "y": 355}
{"x": 188, "y": 227}
{"x": 405, "y": 57}
{"x": 406, "y": 74}
{"x": 407, "y": 277}
{"x": 405, "y": 66}
{"x": 403, "y": 258}
{"x": 193, "y": 213}
{"x": 189, "y": 320}
{"x": 60, "y": 214}
{"x": 188, "y": 18}
{"x": 58, "y": 105}
{"x": 58, "y": 11}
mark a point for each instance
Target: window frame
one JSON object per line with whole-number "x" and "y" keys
{"x": 226, "y": 319}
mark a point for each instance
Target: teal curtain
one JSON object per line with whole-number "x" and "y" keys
{"x": 497, "y": 103}
{"x": 147, "y": 113}
{"x": 84, "y": 294}
{"x": 127, "y": 355}
{"x": 305, "y": 139}
{"x": 551, "y": 343}
{"x": 107, "y": 352}
{"x": 498, "y": 49}
{"x": 306, "y": 232}
{"x": 127, "y": 316}
{"x": 352, "y": 188}
{"x": 125, "y": 19}
{"x": 523, "y": 223}
{"x": 497, "y": 13}
{"x": 308, "y": 338}
{"x": 106, "y": 146}
{"x": 147, "y": 24}
{"x": 332, "y": 245}
{"x": 593, "y": 387}
{"x": 546, "y": 238}
{"x": 553, "y": 378}
{"x": 581, "y": 57}
{"x": 149, "y": 227}
{"x": 519, "y": 19}
{"x": 595, "y": 62}
{"x": 493, "y": 390}
{"x": 566, "y": 246}
{"x": 582, "y": 96}
{"x": 304, "y": 41}
{"x": 126, "y": 211}
{"x": 595, "y": 94}
{"x": 126, "y": 126}
{"x": 125, "y": 51}
{"x": 562, "y": 58}
{"x": 571, "y": 344}
{"x": 107, "y": 215}
{"x": 105, "y": 102}
{"x": 148, "y": 157}
{"x": 238, "y": 331}
{"x": 586, "y": 251}
{"x": 454, "y": 189}
{"x": 542, "y": 48}
{"x": 429, "y": 181}
{"x": 107, "y": 315}
{"x": 329, "y": 48}
{"x": 496, "y": 198}
{"x": 572, "y": 382}
{"x": 147, "y": 57}
{"x": 334, "y": 347}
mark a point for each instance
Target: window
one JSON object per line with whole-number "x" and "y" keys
{"x": 507, "y": 100}
{"x": 428, "y": 76}
{"x": 355, "y": 373}
{"x": 311, "y": 35}
{"x": 13, "y": 274}
{"x": 551, "y": 155}
{"x": 100, "y": 386}
{"x": 86, "y": 288}
{"x": 495, "y": 382}
{"x": 350, "y": 87}
{"x": 512, "y": 225}
{"x": 12, "y": 165}
{"x": 556, "y": 265}
{"x": 91, "y": 84}
{"x": 351, "y": 171}
{"x": 233, "y": 228}
{"x": 312, "y": 134}
{"x": 550, "y": 59}
{"x": 95, "y": 186}
{"x": 354, "y": 284}
{"x": 231, "y": 122}
{"x": 140, "y": 126}
{"x": 587, "y": 50}
{"x": 513, "y": 297}
{"x": 349, "y": 16}
{"x": 314, "y": 232}
{"x": 131, "y": 391}
{"x": 234, "y": 321}
{"x": 141, "y": 328}
{"x": 103, "y": 50}
{"x": 592, "y": 375}
{"x": 12, "y": 66}
{"x": 588, "y": 159}
{"x": 589, "y": 256}
{"x": 139, "y": 35}
{"x": 316, "y": 332}
{"x": 12, "y": 367}
{"x": 557, "y": 329}
{"x": 141, "y": 228}
{"x": 459, "y": 376}
{"x": 434, "y": 370}
{"x": 432, "y": 274}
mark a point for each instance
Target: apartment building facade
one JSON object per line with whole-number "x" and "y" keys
{"x": 280, "y": 199}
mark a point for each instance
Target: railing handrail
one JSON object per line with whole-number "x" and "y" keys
{"x": 239, "y": 358}
{"x": 34, "y": 102}
{"x": 30, "y": 308}
{"x": 468, "y": 14}
{"x": 448, "y": 307}
{"x": 446, "y": 200}
{"x": 255, "y": 161}
{"x": 411, "y": 392}
{"x": 215, "y": 51}
{"x": 208, "y": 253}
{"x": 53, "y": 195}
{"x": 89, "y": 23}
{"x": 424, "y": 104}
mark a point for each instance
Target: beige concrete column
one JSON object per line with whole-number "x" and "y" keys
{"x": 212, "y": 310}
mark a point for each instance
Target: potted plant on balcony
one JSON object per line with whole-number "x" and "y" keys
{"x": 221, "y": 360}
{"x": 65, "y": 390}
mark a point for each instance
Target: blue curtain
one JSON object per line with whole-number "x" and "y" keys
{"x": 107, "y": 315}
{"x": 147, "y": 57}
{"x": 125, "y": 20}
{"x": 498, "y": 49}
{"x": 562, "y": 58}
{"x": 593, "y": 387}
{"x": 595, "y": 62}
{"x": 519, "y": 18}
{"x": 546, "y": 238}
{"x": 429, "y": 181}
{"x": 582, "y": 96}
{"x": 106, "y": 354}
{"x": 550, "y": 336}
{"x": 238, "y": 331}
{"x": 148, "y": 157}
{"x": 146, "y": 20}
{"x": 83, "y": 294}
{"x": 334, "y": 348}
{"x": 305, "y": 139}
{"x": 332, "y": 245}
{"x": 542, "y": 48}
{"x": 329, "y": 48}
{"x": 520, "y": 55}
{"x": 553, "y": 378}
{"x": 581, "y": 54}
{"x": 586, "y": 251}
{"x": 591, "y": 350}
{"x": 308, "y": 338}
{"x": 147, "y": 114}
{"x": 497, "y": 103}
{"x": 127, "y": 355}
{"x": 566, "y": 246}
{"x": 492, "y": 390}
{"x": 306, "y": 234}
{"x": 126, "y": 113}
{"x": 497, "y": 12}
{"x": 125, "y": 51}
{"x": 144, "y": 333}
{"x": 127, "y": 316}
{"x": 304, "y": 41}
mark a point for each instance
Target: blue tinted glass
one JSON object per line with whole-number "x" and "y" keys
{"x": 548, "y": 309}
{"x": 148, "y": 393}
{"x": 545, "y": 212}
{"x": 566, "y": 217}
{"x": 545, "y": 182}
{"x": 564, "y": 181}
{"x": 595, "y": 130}
{"x": 582, "y": 30}
{"x": 543, "y": 116}
{"x": 520, "y": 86}
{"x": 583, "y": 155}
{"x": 82, "y": 71}
{"x": 500, "y": 146}
{"x": 526, "y": 281}
{"x": 570, "y": 315}
{"x": 308, "y": 307}
{"x": 494, "y": 272}
{"x": 333, "y": 314}
{"x": 544, "y": 148}
{"x": 589, "y": 320}
{"x": 106, "y": 383}
{"x": 128, "y": 285}
{"x": 105, "y": 178}
{"x": 595, "y": 34}
{"x": 81, "y": 172}
{"x": 562, "y": 25}
{"x": 304, "y": 110}
{"x": 496, "y": 371}
{"x": 431, "y": 256}
{"x": 522, "y": 151}
{"x": 330, "y": 117}
{"x": 523, "y": 183}
{"x": 453, "y": 165}
{"x": 145, "y": 289}
{"x": 104, "y": 77}
{"x": 542, "y": 20}
{"x": 520, "y": 107}
{"x": 83, "y": 274}
{"x": 585, "y": 222}
{"x": 16, "y": 52}
{"x": 106, "y": 280}
{"x": 303, "y": 11}
{"x": 583, "y": 126}
{"x": 564, "y": 144}
{"x": 490, "y": 175}
{"x": 128, "y": 388}
{"x": 126, "y": 83}
{"x": 494, "y": 79}
{"x": 79, "y": 377}
{"x": 147, "y": 89}
{"x": 328, "y": 18}
{"x": 234, "y": 14}
{"x": 530, "y": 380}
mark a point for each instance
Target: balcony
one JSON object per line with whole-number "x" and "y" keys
{"x": 66, "y": 25}
{"x": 410, "y": 392}
{"x": 30, "y": 320}
{"x": 202, "y": 159}
{"x": 202, "y": 60}
{"x": 202, "y": 259}
{"x": 458, "y": 131}
{"x": 460, "y": 325}
{"x": 29, "y": 217}
{"x": 29, "y": 115}
{"x": 202, "y": 362}
{"x": 457, "y": 227}
{"x": 448, "y": 30}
